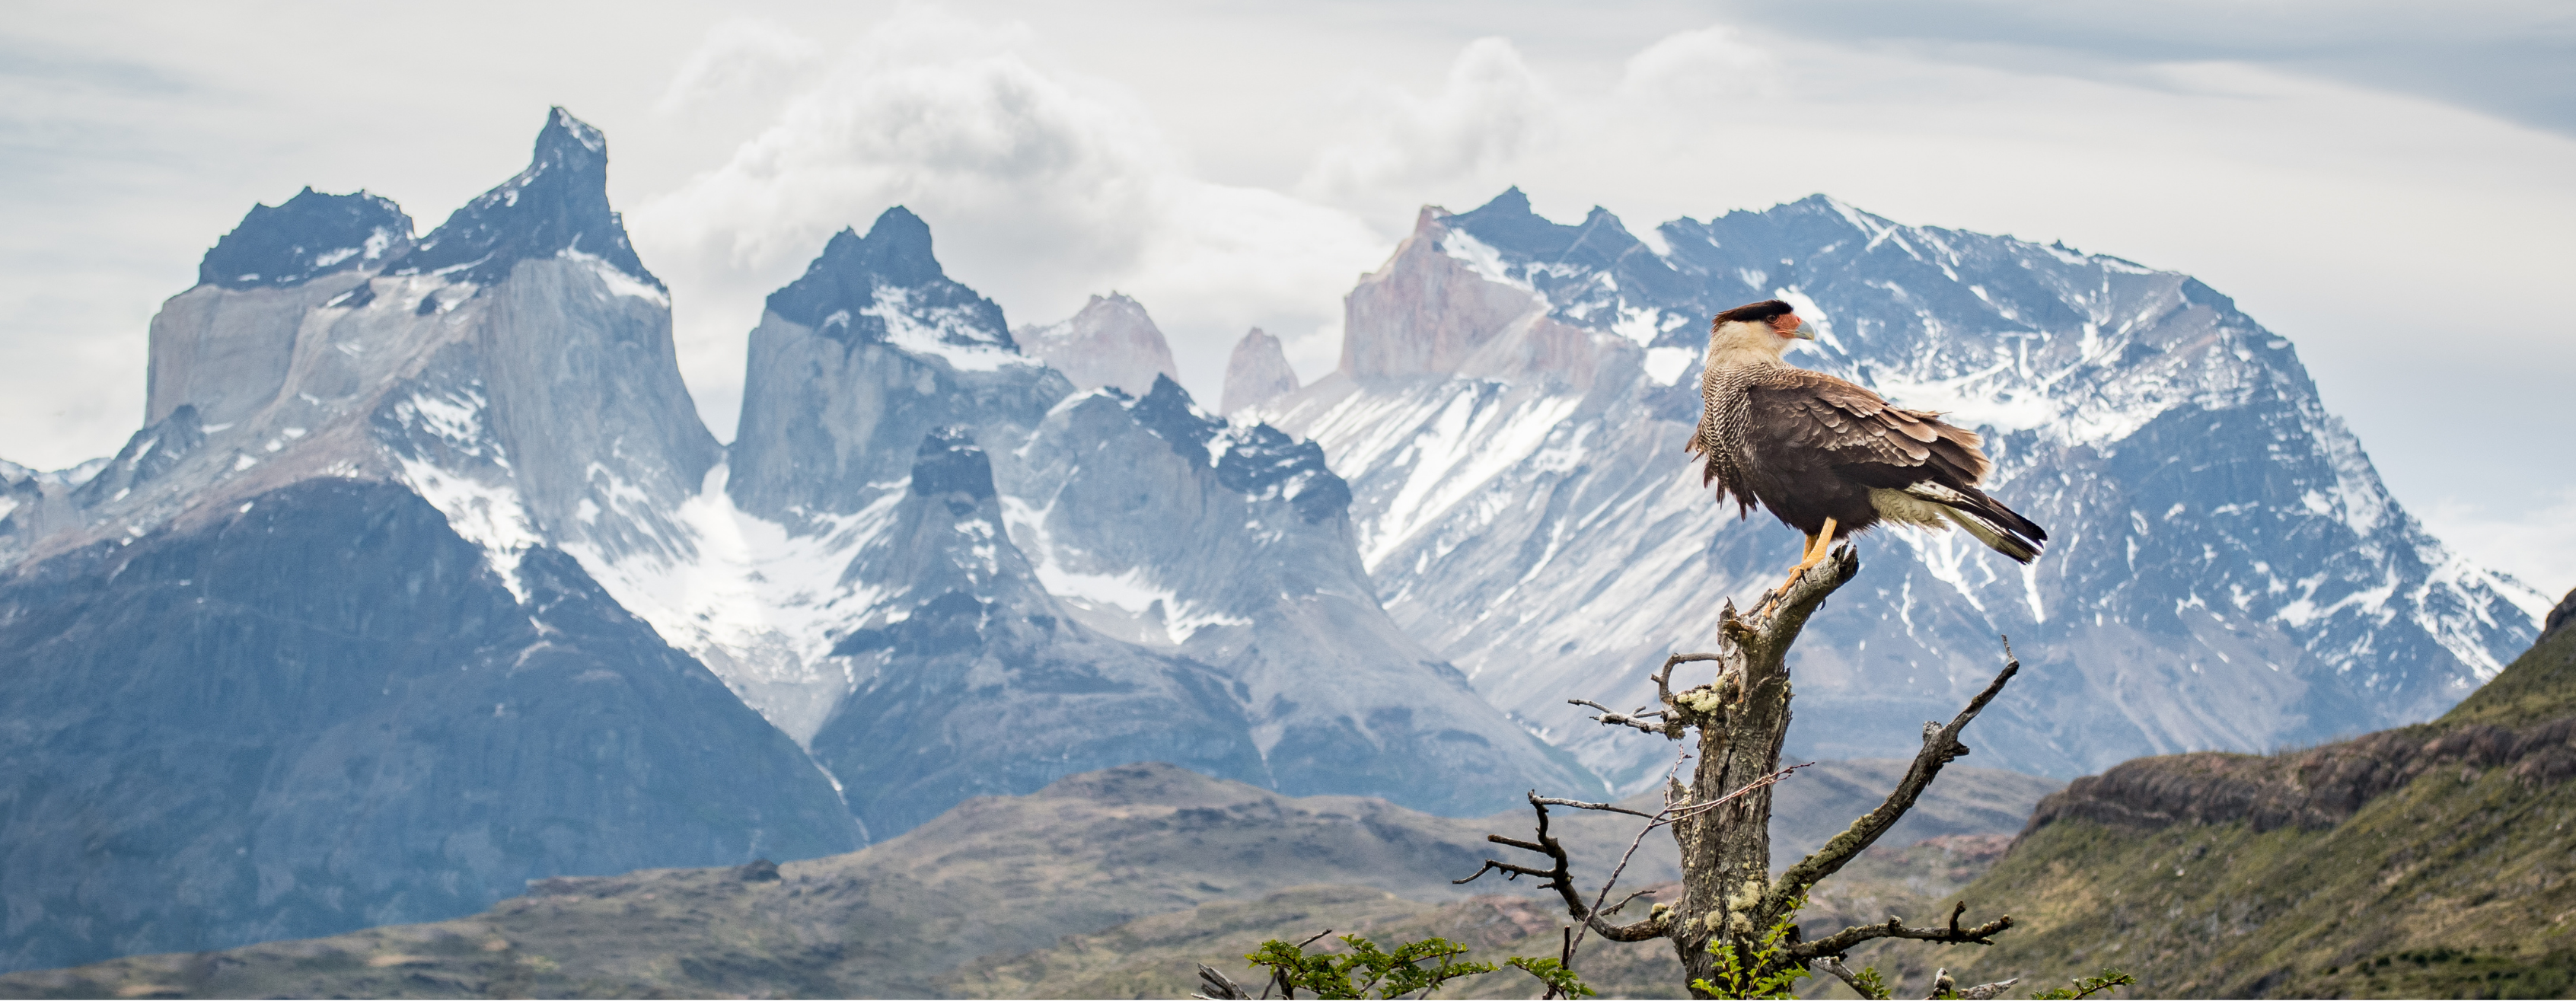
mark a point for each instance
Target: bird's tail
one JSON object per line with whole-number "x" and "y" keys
{"x": 1999, "y": 527}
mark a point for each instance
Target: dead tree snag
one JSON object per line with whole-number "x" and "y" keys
{"x": 1721, "y": 818}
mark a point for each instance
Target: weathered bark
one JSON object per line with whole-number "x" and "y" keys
{"x": 1721, "y": 819}
{"x": 1741, "y": 719}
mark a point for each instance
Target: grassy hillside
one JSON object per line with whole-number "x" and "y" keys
{"x": 2430, "y": 861}
{"x": 938, "y": 910}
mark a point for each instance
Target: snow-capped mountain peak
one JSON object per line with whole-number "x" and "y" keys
{"x": 558, "y": 205}
{"x": 2232, "y": 573}
{"x": 888, "y": 288}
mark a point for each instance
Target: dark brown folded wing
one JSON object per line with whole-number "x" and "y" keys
{"x": 1849, "y": 426}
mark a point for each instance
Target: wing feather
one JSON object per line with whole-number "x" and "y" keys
{"x": 1856, "y": 427}
{"x": 1880, "y": 445}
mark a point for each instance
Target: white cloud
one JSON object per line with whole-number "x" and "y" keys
{"x": 744, "y": 62}
{"x": 1041, "y": 187}
{"x": 1712, "y": 63}
{"x": 1491, "y": 112}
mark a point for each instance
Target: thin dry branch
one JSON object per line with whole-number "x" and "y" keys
{"x": 1662, "y": 721}
{"x": 1580, "y": 805}
{"x": 1638, "y": 718}
{"x": 1560, "y": 878}
{"x": 1940, "y": 747}
{"x": 1842, "y": 941}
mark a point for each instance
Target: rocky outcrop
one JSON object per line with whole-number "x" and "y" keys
{"x": 1110, "y": 342}
{"x": 1256, "y": 373}
{"x": 2313, "y": 789}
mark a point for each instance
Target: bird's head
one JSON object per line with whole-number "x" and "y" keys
{"x": 1768, "y": 327}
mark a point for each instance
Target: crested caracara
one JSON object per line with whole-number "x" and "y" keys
{"x": 1828, "y": 457}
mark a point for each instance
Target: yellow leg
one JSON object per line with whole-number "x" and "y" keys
{"x": 1817, "y": 545}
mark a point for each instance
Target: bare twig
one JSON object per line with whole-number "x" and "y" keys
{"x": 1842, "y": 941}
{"x": 1664, "y": 721}
{"x": 1940, "y": 747}
{"x": 1983, "y": 992}
{"x": 1580, "y": 805}
{"x": 1560, "y": 878}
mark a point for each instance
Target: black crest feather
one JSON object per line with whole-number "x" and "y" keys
{"x": 1755, "y": 312}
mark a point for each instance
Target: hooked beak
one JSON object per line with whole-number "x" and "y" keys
{"x": 1805, "y": 331}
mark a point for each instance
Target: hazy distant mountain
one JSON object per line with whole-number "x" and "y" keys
{"x": 1110, "y": 342}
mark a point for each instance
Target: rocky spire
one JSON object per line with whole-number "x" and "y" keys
{"x": 558, "y": 204}
{"x": 1111, "y": 342}
{"x": 1256, "y": 373}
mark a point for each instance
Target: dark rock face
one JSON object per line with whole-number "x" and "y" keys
{"x": 326, "y": 712}
{"x": 559, "y": 203}
{"x": 313, "y": 234}
{"x": 837, "y": 296}
{"x": 949, "y": 463}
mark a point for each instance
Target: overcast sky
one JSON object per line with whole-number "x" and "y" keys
{"x": 2386, "y": 184}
